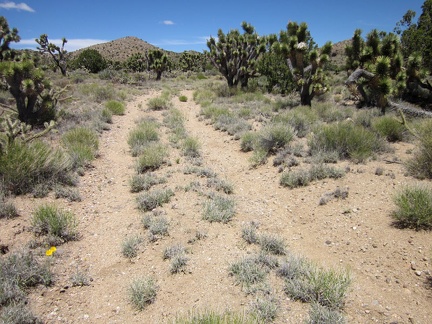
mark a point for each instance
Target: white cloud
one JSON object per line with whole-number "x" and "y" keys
{"x": 17, "y": 6}
{"x": 168, "y": 22}
{"x": 70, "y": 46}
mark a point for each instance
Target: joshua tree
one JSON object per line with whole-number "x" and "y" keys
{"x": 158, "y": 62}
{"x": 377, "y": 67}
{"x": 57, "y": 53}
{"x": 235, "y": 55}
{"x": 192, "y": 61}
{"x": 7, "y": 36}
{"x": 305, "y": 62}
{"x": 136, "y": 63}
{"x": 35, "y": 101}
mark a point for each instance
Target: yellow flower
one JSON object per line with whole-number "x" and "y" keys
{"x": 50, "y": 251}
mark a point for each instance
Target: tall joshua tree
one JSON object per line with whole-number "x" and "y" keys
{"x": 235, "y": 55}
{"x": 304, "y": 60}
{"x": 376, "y": 65}
{"x": 57, "y": 53}
{"x": 158, "y": 62}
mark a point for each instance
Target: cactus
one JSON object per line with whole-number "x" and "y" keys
{"x": 157, "y": 62}
{"x": 305, "y": 62}
{"x": 14, "y": 129}
{"x": 235, "y": 55}
{"x": 57, "y": 53}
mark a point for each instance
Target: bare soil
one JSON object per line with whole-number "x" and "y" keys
{"x": 390, "y": 266}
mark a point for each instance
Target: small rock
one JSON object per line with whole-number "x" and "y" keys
{"x": 418, "y": 273}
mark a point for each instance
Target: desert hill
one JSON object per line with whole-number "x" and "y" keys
{"x": 122, "y": 48}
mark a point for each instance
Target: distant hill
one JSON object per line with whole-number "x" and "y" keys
{"x": 122, "y": 48}
{"x": 338, "y": 56}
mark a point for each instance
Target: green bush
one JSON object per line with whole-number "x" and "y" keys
{"x": 24, "y": 166}
{"x": 158, "y": 103}
{"x": 82, "y": 145}
{"x": 151, "y": 158}
{"x": 325, "y": 287}
{"x": 183, "y": 98}
{"x": 273, "y": 137}
{"x": 389, "y": 128}
{"x": 141, "y": 136}
{"x": 350, "y": 141}
{"x": 247, "y": 141}
{"x": 191, "y": 147}
{"x": 116, "y": 107}
{"x": 324, "y": 315}
{"x": 414, "y": 207}
{"x": 52, "y": 221}
{"x": 91, "y": 60}
{"x": 420, "y": 166}
{"x": 272, "y": 244}
{"x": 106, "y": 116}
{"x": 295, "y": 179}
{"x": 248, "y": 273}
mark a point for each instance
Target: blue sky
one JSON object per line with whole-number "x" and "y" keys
{"x": 177, "y": 25}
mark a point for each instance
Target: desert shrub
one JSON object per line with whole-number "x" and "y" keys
{"x": 71, "y": 194}
{"x": 53, "y": 221}
{"x": 219, "y": 209}
{"x": 80, "y": 278}
{"x": 294, "y": 267}
{"x": 106, "y": 116}
{"x": 214, "y": 112}
{"x": 350, "y": 141}
{"x": 148, "y": 201}
{"x": 177, "y": 254}
{"x": 272, "y": 244}
{"x": 420, "y": 166}
{"x": 18, "y": 271}
{"x": 158, "y": 103}
{"x": 97, "y": 92}
{"x": 249, "y": 233}
{"x": 365, "y": 117}
{"x": 142, "y": 292}
{"x": 145, "y": 133}
{"x": 209, "y": 316}
{"x": 191, "y": 147}
{"x": 273, "y": 137}
{"x": 319, "y": 314}
{"x": 265, "y": 308}
{"x": 81, "y": 144}
{"x": 200, "y": 171}
{"x": 7, "y": 209}
{"x": 248, "y": 273}
{"x": 301, "y": 119}
{"x": 151, "y": 158}
{"x": 17, "y": 313}
{"x": 329, "y": 112}
{"x": 389, "y": 128}
{"x": 143, "y": 182}
{"x": 302, "y": 178}
{"x": 295, "y": 179}
{"x": 220, "y": 185}
{"x": 183, "y": 98}
{"x": 24, "y": 166}
{"x": 130, "y": 246}
{"x": 116, "y": 107}
{"x": 204, "y": 96}
{"x": 157, "y": 225}
{"x": 247, "y": 141}
{"x": 414, "y": 207}
{"x": 325, "y": 287}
